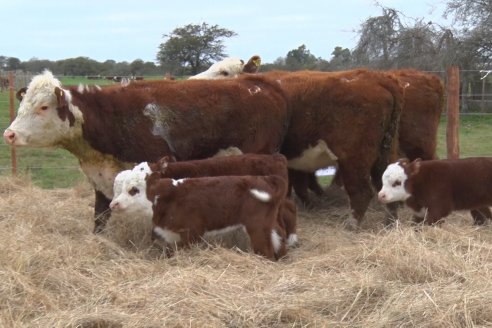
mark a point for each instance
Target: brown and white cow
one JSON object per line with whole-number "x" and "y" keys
{"x": 130, "y": 188}
{"x": 435, "y": 188}
{"x": 184, "y": 210}
{"x": 349, "y": 121}
{"x": 419, "y": 121}
{"x": 113, "y": 128}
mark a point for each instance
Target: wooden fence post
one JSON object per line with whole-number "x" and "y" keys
{"x": 13, "y": 154}
{"x": 453, "y": 111}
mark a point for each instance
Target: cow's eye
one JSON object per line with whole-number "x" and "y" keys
{"x": 396, "y": 183}
{"x": 133, "y": 191}
{"x": 44, "y": 107}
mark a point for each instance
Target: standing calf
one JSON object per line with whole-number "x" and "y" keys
{"x": 184, "y": 210}
{"x": 435, "y": 188}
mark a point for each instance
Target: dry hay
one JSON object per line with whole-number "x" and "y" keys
{"x": 55, "y": 272}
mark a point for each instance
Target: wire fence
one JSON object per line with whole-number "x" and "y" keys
{"x": 58, "y": 168}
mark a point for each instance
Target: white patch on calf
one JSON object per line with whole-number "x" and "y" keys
{"x": 156, "y": 199}
{"x": 262, "y": 196}
{"x": 143, "y": 168}
{"x": 118, "y": 182}
{"x": 276, "y": 241}
{"x": 292, "y": 240}
{"x": 314, "y": 158}
{"x": 81, "y": 88}
{"x": 178, "y": 182}
{"x": 218, "y": 232}
{"x": 393, "y": 189}
{"x": 167, "y": 235}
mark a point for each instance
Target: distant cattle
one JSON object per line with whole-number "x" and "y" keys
{"x": 185, "y": 210}
{"x": 349, "y": 121}
{"x": 130, "y": 189}
{"x": 111, "y": 129}
{"x": 435, "y": 188}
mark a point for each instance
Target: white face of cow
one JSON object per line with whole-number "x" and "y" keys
{"x": 132, "y": 198}
{"x": 393, "y": 189}
{"x": 226, "y": 68}
{"x": 38, "y": 123}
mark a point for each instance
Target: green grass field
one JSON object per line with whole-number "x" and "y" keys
{"x": 55, "y": 168}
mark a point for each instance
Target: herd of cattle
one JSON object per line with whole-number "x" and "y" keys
{"x": 280, "y": 127}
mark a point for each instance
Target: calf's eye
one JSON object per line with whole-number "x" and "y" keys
{"x": 396, "y": 183}
{"x": 133, "y": 191}
{"x": 44, "y": 107}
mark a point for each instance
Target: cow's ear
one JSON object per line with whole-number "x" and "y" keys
{"x": 21, "y": 93}
{"x": 60, "y": 97}
{"x": 414, "y": 167}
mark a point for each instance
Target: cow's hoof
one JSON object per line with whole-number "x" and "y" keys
{"x": 351, "y": 224}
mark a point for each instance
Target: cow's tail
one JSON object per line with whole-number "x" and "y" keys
{"x": 389, "y": 143}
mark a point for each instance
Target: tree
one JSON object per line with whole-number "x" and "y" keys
{"x": 377, "y": 40}
{"x": 342, "y": 59}
{"x": 474, "y": 18}
{"x": 193, "y": 47}
{"x": 300, "y": 58}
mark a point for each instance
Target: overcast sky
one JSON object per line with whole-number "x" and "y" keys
{"x": 125, "y": 30}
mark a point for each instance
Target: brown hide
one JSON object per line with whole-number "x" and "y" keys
{"x": 356, "y": 115}
{"x": 247, "y": 164}
{"x": 443, "y": 186}
{"x": 193, "y": 119}
{"x": 205, "y": 204}
{"x": 417, "y": 131}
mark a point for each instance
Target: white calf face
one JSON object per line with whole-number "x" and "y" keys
{"x": 133, "y": 199}
{"x": 38, "y": 123}
{"x": 393, "y": 189}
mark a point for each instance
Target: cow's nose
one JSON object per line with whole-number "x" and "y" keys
{"x": 9, "y": 137}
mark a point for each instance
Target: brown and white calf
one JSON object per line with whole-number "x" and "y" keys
{"x": 435, "y": 188}
{"x": 184, "y": 210}
{"x": 130, "y": 188}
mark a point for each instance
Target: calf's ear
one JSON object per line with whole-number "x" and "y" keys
{"x": 21, "y": 93}
{"x": 60, "y": 97}
{"x": 414, "y": 167}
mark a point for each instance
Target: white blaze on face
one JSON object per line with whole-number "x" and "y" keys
{"x": 226, "y": 68}
{"x": 132, "y": 199}
{"x": 393, "y": 189}
{"x": 37, "y": 123}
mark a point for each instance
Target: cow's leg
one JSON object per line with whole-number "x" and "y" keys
{"x": 480, "y": 215}
{"x": 313, "y": 184}
{"x": 101, "y": 212}
{"x": 359, "y": 190}
{"x": 298, "y": 180}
